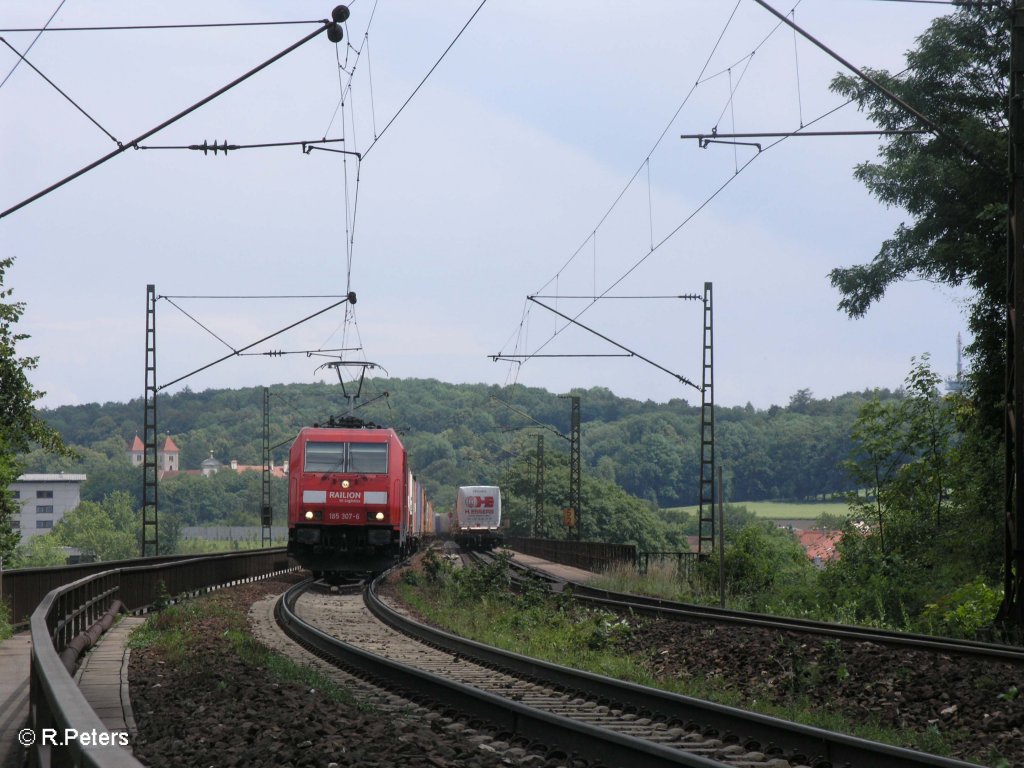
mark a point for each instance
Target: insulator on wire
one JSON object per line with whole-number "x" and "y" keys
{"x": 215, "y": 147}
{"x": 334, "y": 32}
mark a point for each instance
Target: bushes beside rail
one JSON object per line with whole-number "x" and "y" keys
{"x": 477, "y": 602}
{"x": 5, "y": 621}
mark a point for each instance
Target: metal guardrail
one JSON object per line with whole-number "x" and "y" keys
{"x": 589, "y": 555}
{"x": 23, "y": 588}
{"x": 57, "y": 705}
{"x": 685, "y": 562}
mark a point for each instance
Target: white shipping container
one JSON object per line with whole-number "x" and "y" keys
{"x": 478, "y": 507}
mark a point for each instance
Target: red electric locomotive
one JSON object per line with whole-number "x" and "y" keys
{"x": 348, "y": 500}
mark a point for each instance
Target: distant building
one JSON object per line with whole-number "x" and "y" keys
{"x": 44, "y": 500}
{"x": 137, "y": 452}
{"x": 168, "y": 463}
{"x": 167, "y": 455}
{"x": 280, "y": 471}
{"x": 210, "y": 466}
{"x": 820, "y": 546}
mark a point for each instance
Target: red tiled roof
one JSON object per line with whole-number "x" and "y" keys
{"x": 137, "y": 446}
{"x": 819, "y": 545}
{"x": 169, "y": 446}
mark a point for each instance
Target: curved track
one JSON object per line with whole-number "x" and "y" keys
{"x": 658, "y": 607}
{"x": 605, "y": 721}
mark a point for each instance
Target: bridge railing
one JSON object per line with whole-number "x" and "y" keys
{"x": 685, "y": 562}
{"x": 588, "y": 555}
{"x": 57, "y": 705}
{"x": 23, "y": 588}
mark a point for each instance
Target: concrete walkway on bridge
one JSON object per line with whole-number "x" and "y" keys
{"x": 102, "y": 676}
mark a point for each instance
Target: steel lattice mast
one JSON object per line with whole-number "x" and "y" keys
{"x": 150, "y": 531}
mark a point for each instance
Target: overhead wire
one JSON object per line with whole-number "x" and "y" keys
{"x": 76, "y": 105}
{"x": 451, "y": 45}
{"x": 768, "y": 35}
{"x": 686, "y": 219}
{"x": 350, "y": 320}
{"x": 657, "y": 143}
{"x": 21, "y": 57}
{"x": 121, "y": 148}
{"x": 138, "y": 27}
{"x": 618, "y": 198}
{"x": 689, "y": 218}
{"x": 346, "y": 75}
{"x": 350, "y": 188}
{"x": 196, "y": 321}
{"x": 796, "y": 67}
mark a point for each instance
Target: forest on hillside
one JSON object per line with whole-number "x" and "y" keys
{"x": 459, "y": 434}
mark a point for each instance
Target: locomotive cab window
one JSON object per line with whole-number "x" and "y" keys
{"x": 364, "y": 458}
{"x": 371, "y": 458}
{"x": 324, "y": 457}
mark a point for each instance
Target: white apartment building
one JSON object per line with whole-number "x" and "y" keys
{"x": 44, "y": 500}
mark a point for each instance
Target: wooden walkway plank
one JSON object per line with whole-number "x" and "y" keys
{"x": 15, "y": 657}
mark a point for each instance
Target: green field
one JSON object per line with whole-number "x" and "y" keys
{"x": 778, "y": 510}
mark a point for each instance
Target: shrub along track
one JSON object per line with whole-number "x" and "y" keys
{"x": 971, "y": 693}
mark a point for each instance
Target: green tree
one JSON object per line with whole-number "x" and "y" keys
{"x": 110, "y": 530}
{"x": 760, "y": 559}
{"x": 39, "y": 551}
{"x": 957, "y": 76}
{"x": 20, "y": 425}
{"x": 879, "y": 453}
{"x": 902, "y": 458}
{"x": 901, "y": 549}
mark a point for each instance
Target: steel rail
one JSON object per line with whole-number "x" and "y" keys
{"x": 587, "y": 741}
{"x": 835, "y": 748}
{"x": 656, "y": 606}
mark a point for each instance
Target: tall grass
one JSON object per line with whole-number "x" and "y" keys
{"x": 661, "y": 580}
{"x": 550, "y": 627}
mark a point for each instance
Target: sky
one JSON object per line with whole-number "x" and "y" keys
{"x": 541, "y": 157}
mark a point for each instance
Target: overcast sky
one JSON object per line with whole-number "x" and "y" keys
{"x": 497, "y": 181}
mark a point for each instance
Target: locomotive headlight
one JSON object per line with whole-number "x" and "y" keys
{"x": 379, "y": 516}
{"x": 309, "y": 514}
{"x": 345, "y": 483}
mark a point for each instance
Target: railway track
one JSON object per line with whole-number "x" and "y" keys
{"x": 603, "y": 721}
{"x": 667, "y": 609}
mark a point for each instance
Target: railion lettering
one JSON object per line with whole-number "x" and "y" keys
{"x": 346, "y": 497}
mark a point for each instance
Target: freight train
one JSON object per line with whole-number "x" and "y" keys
{"x": 477, "y": 517}
{"x": 354, "y": 506}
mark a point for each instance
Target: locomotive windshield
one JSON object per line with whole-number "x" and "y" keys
{"x": 368, "y": 458}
